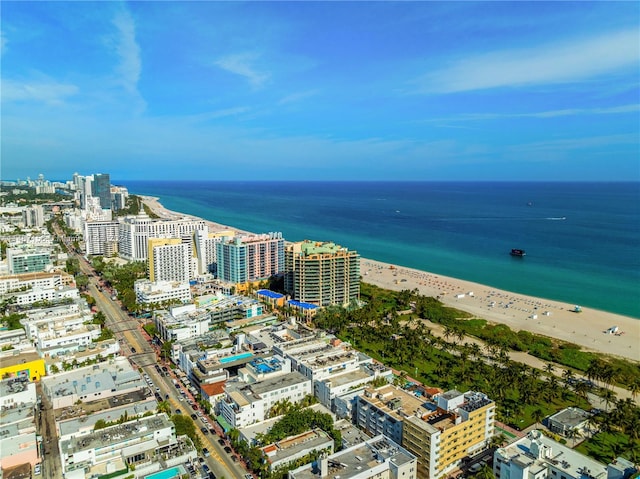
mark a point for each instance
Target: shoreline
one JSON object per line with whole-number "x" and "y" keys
{"x": 551, "y": 318}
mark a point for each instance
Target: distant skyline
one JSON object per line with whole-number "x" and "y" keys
{"x": 321, "y": 90}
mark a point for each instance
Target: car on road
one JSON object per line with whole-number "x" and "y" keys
{"x": 178, "y": 411}
{"x": 205, "y": 452}
{"x": 37, "y": 470}
{"x": 234, "y": 458}
{"x": 194, "y": 417}
{"x": 221, "y": 441}
{"x": 212, "y": 430}
{"x": 205, "y": 468}
{"x": 227, "y": 449}
{"x": 133, "y": 350}
{"x": 204, "y": 430}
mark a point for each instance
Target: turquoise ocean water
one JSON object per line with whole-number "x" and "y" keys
{"x": 582, "y": 239}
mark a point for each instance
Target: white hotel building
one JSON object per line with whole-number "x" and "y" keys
{"x": 246, "y": 404}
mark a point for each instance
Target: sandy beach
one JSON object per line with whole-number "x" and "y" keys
{"x": 554, "y": 319}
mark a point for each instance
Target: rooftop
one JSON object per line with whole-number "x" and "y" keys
{"x": 355, "y": 460}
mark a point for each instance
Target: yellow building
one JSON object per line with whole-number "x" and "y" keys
{"x": 28, "y": 365}
{"x": 460, "y": 425}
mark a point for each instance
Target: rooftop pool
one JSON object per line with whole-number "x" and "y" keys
{"x": 167, "y": 474}
{"x": 229, "y": 359}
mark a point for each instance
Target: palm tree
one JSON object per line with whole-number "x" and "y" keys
{"x": 537, "y": 414}
{"x": 549, "y": 369}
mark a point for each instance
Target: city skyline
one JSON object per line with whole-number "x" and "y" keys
{"x": 322, "y": 91}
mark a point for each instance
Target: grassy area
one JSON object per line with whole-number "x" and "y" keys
{"x": 606, "y": 446}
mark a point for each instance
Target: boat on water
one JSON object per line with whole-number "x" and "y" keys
{"x": 517, "y": 252}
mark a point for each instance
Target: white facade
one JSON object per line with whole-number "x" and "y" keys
{"x": 377, "y": 458}
{"x": 17, "y": 282}
{"x": 33, "y": 216}
{"x": 179, "y": 324}
{"x": 170, "y": 262}
{"x": 47, "y": 294}
{"x": 135, "y": 232}
{"x": 148, "y": 292}
{"x": 536, "y": 456}
{"x": 91, "y": 383}
{"x": 246, "y": 404}
{"x": 101, "y": 237}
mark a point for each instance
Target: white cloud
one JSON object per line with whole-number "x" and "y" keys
{"x": 542, "y": 114}
{"x": 128, "y": 51}
{"x": 51, "y": 93}
{"x": 3, "y": 43}
{"x": 298, "y": 96}
{"x": 242, "y": 64}
{"x": 551, "y": 63}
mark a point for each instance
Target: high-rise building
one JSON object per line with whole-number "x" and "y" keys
{"x": 169, "y": 259}
{"x": 101, "y": 188}
{"x": 33, "y": 216}
{"x": 247, "y": 258}
{"x": 101, "y": 237}
{"x": 206, "y": 248}
{"x": 135, "y": 232}
{"x": 322, "y": 273}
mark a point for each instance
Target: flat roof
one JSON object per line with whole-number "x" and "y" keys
{"x": 115, "y": 434}
{"x": 269, "y": 294}
{"x": 356, "y": 460}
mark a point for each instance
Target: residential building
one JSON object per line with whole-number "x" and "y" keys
{"x": 17, "y": 364}
{"x": 289, "y": 449}
{"x": 205, "y": 243}
{"x": 169, "y": 260}
{"x": 18, "y": 439}
{"x": 116, "y": 448}
{"x": 135, "y": 232}
{"x": 47, "y": 294}
{"x": 536, "y": 456}
{"x": 246, "y": 404}
{"x": 101, "y": 237}
{"x": 180, "y": 323}
{"x": 33, "y": 216}
{"x": 377, "y": 458}
{"x": 568, "y": 420}
{"x": 323, "y": 274}
{"x": 159, "y": 292}
{"x": 101, "y": 188}
{"x": 441, "y": 434}
{"x": 250, "y": 258}
{"x": 25, "y": 281}
{"x": 28, "y": 259}
{"x": 90, "y": 383}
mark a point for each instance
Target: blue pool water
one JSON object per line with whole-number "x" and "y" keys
{"x": 168, "y": 474}
{"x": 236, "y": 357}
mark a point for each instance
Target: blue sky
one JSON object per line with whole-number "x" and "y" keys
{"x": 322, "y": 90}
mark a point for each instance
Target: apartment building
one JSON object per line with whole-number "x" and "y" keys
{"x": 246, "y": 404}
{"x": 441, "y": 434}
{"x": 135, "y": 232}
{"x": 101, "y": 237}
{"x": 323, "y": 274}
{"x": 148, "y": 292}
{"x": 205, "y": 244}
{"x": 249, "y": 258}
{"x": 27, "y": 281}
{"x": 377, "y": 458}
{"x": 28, "y": 259}
{"x": 181, "y": 323}
{"x": 536, "y": 456}
{"x": 18, "y": 439}
{"x": 170, "y": 259}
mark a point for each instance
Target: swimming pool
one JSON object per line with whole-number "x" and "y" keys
{"x": 167, "y": 474}
{"x": 228, "y": 359}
